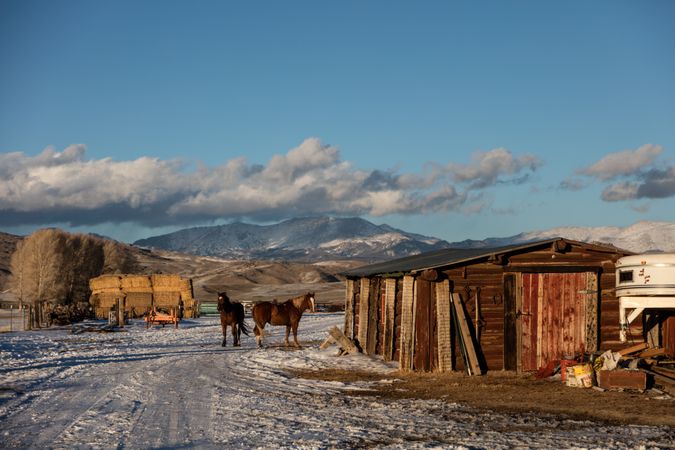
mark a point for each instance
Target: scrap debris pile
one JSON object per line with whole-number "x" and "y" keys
{"x": 637, "y": 367}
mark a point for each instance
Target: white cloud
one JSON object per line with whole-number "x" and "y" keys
{"x": 488, "y": 168}
{"x": 635, "y": 174}
{"x": 309, "y": 179}
{"x": 625, "y": 163}
{"x": 620, "y": 191}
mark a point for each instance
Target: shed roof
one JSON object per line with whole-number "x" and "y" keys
{"x": 456, "y": 256}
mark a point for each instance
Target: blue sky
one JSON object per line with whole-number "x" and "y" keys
{"x": 452, "y": 119}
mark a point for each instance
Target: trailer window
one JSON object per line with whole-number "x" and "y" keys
{"x": 625, "y": 276}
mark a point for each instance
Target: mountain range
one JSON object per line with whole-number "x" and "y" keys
{"x": 302, "y": 239}
{"x": 312, "y": 239}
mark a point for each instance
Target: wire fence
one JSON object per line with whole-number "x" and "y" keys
{"x": 14, "y": 319}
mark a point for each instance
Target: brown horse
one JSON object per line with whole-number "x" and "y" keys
{"x": 287, "y": 313}
{"x": 231, "y": 314}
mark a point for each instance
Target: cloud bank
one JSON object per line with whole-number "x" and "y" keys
{"x": 631, "y": 174}
{"x": 66, "y": 187}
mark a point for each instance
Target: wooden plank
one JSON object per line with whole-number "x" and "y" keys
{"x": 422, "y": 333}
{"x": 591, "y": 312}
{"x": 407, "y": 324}
{"x": 389, "y": 322}
{"x": 467, "y": 339}
{"x": 373, "y": 312}
{"x": 443, "y": 318}
{"x": 529, "y": 319}
{"x": 345, "y": 344}
{"x": 510, "y": 336}
{"x": 651, "y": 352}
{"x": 363, "y": 312}
{"x": 633, "y": 349}
{"x": 542, "y": 320}
{"x": 349, "y": 308}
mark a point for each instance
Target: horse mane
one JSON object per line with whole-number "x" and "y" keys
{"x": 224, "y": 302}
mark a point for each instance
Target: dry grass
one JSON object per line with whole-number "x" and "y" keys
{"x": 509, "y": 392}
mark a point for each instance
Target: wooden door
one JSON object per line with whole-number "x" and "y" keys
{"x": 553, "y": 316}
{"x": 426, "y": 346}
{"x": 510, "y": 325}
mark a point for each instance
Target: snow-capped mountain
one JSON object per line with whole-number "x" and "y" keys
{"x": 297, "y": 239}
{"x": 641, "y": 237}
{"x": 311, "y": 239}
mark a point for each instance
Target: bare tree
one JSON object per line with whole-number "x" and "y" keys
{"x": 84, "y": 260}
{"x": 51, "y": 270}
{"x": 118, "y": 258}
{"x": 36, "y": 269}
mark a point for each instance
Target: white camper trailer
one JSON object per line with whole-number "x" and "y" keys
{"x": 644, "y": 282}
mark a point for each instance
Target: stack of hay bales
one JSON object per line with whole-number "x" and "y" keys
{"x": 105, "y": 290}
{"x": 142, "y": 292}
{"x": 166, "y": 290}
{"x": 139, "y": 293}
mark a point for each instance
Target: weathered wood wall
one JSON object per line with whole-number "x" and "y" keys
{"x": 399, "y": 317}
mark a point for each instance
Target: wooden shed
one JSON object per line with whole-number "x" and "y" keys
{"x": 524, "y": 305}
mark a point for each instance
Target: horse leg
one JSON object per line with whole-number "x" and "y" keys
{"x": 223, "y": 325}
{"x": 258, "y": 334}
{"x": 295, "y": 335}
{"x": 288, "y": 330}
{"x": 234, "y": 335}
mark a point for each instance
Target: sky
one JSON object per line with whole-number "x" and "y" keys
{"x": 458, "y": 120}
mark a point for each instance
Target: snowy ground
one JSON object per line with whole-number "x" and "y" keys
{"x": 167, "y": 388}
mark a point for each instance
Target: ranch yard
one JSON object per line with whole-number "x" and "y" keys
{"x": 177, "y": 388}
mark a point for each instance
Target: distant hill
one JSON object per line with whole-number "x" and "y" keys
{"x": 641, "y": 237}
{"x": 304, "y": 239}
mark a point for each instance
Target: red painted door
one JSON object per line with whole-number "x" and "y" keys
{"x": 553, "y": 316}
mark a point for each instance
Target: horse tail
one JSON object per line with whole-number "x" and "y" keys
{"x": 242, "y": 326}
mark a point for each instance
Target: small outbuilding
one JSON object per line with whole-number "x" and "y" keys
{"x": 522, "y": 305}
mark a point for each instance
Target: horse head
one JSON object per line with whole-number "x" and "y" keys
{"x": 309, "y": 297}
{"x": 223, "y": 299}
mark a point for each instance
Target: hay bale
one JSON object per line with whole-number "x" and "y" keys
{"x": 166, "y": 283}
{"x": 186, "y": 288}
{"x": 108, "y": 300}
{"x": 138, "y": 300}
{"x": 104, "y": 283}
{"x": 166, "y": 299}
{"x": 136, "y": 283}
